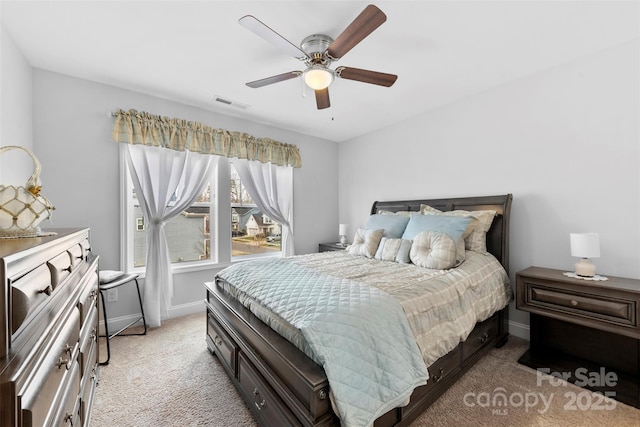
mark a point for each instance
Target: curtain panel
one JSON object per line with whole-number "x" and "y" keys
{"x": 166, "y": 183}
{"x": 141, "y": 128}
{"x": 271, "y": 188}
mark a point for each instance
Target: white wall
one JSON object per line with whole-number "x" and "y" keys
{"x": 565, "y": 142}
{"x": 80, "y": 171}
{"x": 15, "y": 111}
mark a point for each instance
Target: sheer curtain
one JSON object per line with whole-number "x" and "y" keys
{"x": 166, "y": 182}
{"x": 271, "y": 188}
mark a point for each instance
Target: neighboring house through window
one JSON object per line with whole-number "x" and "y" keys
{"x": 192, "y": 241}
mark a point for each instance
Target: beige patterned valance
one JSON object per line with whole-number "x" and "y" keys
{"x": 135, "y": 127}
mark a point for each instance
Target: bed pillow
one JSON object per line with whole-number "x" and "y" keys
{"x": 477, "y": 239}
{"x": 434, "y": 249}
{"x": 393, "y": 225}
{"x": 401, "y": 213}
{"x": 365, "y": 242}
{"x": 396, "y": 250}
{"x": 456, "y": 227}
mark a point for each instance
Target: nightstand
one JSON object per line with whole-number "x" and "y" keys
{"x": 333, "y": 246}
{"x": 586, "y": 332}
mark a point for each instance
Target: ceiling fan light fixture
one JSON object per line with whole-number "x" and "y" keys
{"x": 318, "y": 77}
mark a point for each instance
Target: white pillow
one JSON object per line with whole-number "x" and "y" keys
{"x": 433, "y": 249}
{"x": 365, "y": 242}
{"x": 476, "y": 240}
{"x": 396, "y": 250}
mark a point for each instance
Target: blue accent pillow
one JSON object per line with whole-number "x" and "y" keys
{"x": 454, "y": 226}
{"x": 393, "y": 225}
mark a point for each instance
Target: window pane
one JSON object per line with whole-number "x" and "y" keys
{"x": 252, "y": 232}
{"x": 188, "y": 233}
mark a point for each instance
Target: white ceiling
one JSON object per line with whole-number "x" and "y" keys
{"x": 193, "y": 51}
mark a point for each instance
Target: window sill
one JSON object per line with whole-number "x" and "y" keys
{"x": 182, "y": 268}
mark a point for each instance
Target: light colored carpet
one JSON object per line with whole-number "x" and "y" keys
{"x": 169, "y": 378}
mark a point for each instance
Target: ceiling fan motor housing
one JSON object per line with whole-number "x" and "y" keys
{"x": 315, "y": 46}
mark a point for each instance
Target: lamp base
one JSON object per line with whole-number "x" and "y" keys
{"x": 343, "y": 240}
{"x": 585, "y": 268}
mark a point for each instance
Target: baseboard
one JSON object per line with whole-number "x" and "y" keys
{"x": 116, "y": 323}
{"x": 519, "y": 330}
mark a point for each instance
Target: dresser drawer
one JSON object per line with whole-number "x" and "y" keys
{"x": 69, "y": 407}
{"x": 264, "y": 403}
{"x": 28, "y": 293}
{"x": 48, "y": 382}
{"x": 88, "y": 386}
{"x": 76, "y": 254}
{"x": 88, "y": 339}
{"x": 224, "y": 346}
{"x": 89, "y": 296}
{"x": 60, "y": 268}
{"x": 482, "y": 335}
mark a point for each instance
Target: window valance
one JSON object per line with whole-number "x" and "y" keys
{"x": 135, "y": 127}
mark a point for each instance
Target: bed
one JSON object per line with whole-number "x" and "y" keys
{"x": 283, "y": 381}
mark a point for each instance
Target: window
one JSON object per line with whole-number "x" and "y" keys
{"x": 188, "y": 233}
{"x": 253, "y": 232}
{"x": 195, "y": 238}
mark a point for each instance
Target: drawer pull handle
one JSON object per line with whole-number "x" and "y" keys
{"x": 93, "y": 335}
{"x": 63, "y": 362}
{"x": 484, "y": 338}
{"x": 46, "y": 290}
{"x": 218, "y": 341}
{"x": 93, "y": 294}
{"x": 68, "y": 418}
{"x": 67, "y": 349}
{"x": 574, "y": 303}
{"x": 438, "y": 377}
{"x": 260, "y": 405}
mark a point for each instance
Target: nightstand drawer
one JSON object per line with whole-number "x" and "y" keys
{"x": 588, "y": 305}
{"x": 601, "y": 305}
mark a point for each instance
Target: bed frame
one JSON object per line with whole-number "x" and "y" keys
{"x": 282, "y": 386}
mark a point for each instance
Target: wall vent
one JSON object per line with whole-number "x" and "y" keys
{"x": 230, "y": 102}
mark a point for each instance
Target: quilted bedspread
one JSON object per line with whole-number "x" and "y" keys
{"x": 357, "y": 332}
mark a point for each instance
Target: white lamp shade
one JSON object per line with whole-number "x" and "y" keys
{"x": 585, "y": 245}
{"x": 342, "y": 230}
{"x": 318, "y": 77}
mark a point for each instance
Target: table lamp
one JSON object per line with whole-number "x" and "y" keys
{"x": 585, "y": 246}
{"x": 342, "y": 232}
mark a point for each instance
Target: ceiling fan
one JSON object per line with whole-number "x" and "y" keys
{"x": 318, "y": 51}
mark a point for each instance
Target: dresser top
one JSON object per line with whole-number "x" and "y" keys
{"x": 15, "y": 245}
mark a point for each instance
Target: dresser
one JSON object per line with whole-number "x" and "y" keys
{"x": 587, "y": 332}
{"x": 48, "y": 329}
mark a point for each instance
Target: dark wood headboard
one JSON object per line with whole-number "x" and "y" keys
{"x": 498, "y": 234}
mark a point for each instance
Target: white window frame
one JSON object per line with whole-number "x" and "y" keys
{"x": 220, "y": 223}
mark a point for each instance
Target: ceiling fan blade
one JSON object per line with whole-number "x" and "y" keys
{"x": 322, "y": 98}
{"x": 366, "y": 76}
{"x": 274, "y": 79}
{"x": 364, "y": 24}
{"x": 255, "y": 25}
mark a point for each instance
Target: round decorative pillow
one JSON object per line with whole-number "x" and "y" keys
{"x": 433, "y": 249}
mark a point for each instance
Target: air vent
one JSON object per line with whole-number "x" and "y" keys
{"x": 230, "y": 102}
